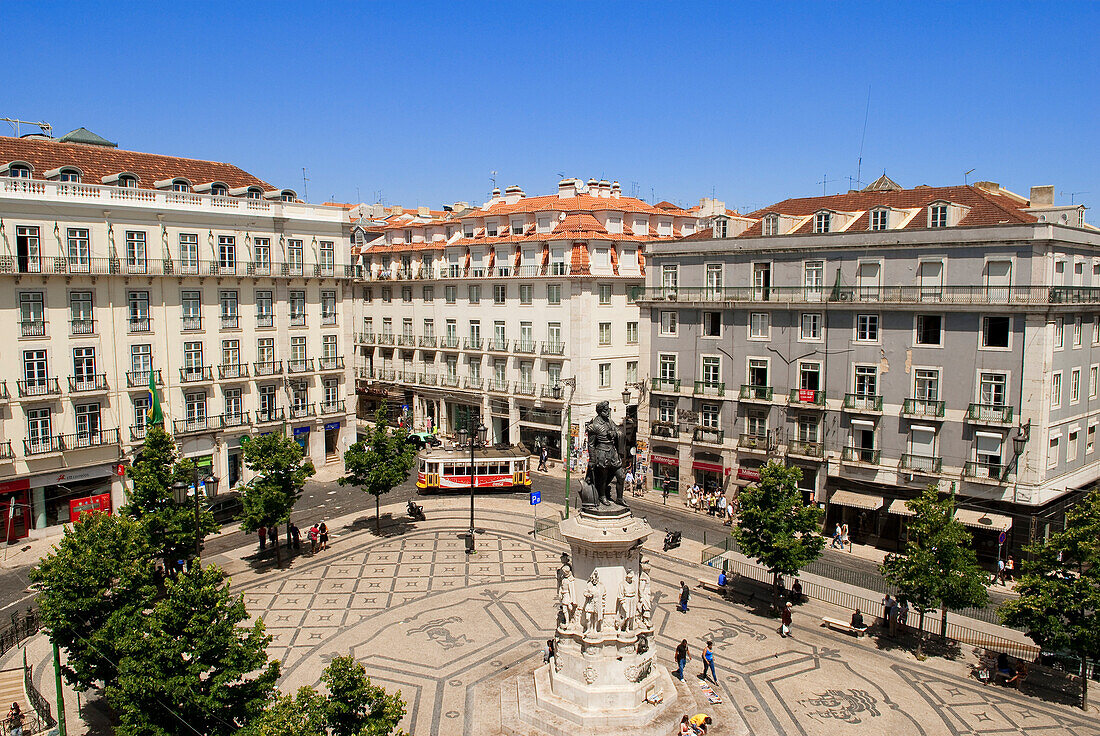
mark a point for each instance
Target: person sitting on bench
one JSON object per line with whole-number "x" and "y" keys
{"x": 722, "y": 579}
{"x": 1004, "y": 668}
{"x": 857, "y": 620}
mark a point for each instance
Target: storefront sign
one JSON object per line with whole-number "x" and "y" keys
{"x": 17, "y": 484}
{"x": 72, "y": 476}
{"x": 300, "y": 431}
{"x": 89, "y": 504}
{"x": 332, "y": 425}
{"x": 744, "y": 473}
{"x": 662, "y": 460}
{"x": 709, "y": 467}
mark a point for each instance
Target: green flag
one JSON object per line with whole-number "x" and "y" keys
{"x": 155, "y": 414}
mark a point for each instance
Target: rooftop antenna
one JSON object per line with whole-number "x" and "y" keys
{"x": 635, "y": 188}
{"x": 15, "y": 123}
{"x": 1072, "y": 195}
{"x": 652, "y": 195}
{"x": 305, "y": 185}
{"x": 825, "y": 180}
{"x": 358, "y": 196}
{"x": 862, "y": 139}
{"x": 966, "y": 177}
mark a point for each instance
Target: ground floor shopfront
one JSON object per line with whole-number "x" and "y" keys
{"x": 36, "y": 505}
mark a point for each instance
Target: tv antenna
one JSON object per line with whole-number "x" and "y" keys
{"x": 1072, "y": 195}
{"x": 966, "y": 177}
{"x": 15, "y": 123}
{"x": 493, "y": 178}
{"x": 862, "y": 139}
{"x": 305, "y": 185}
{"x": 825, "y": 181}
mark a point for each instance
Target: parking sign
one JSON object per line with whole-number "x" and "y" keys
{"x": 536, "y": 498}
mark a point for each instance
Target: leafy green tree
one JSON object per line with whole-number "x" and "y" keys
{"x": 938, "y": 566}
{"x": 1059, "y": 590}
{"x": 775, "y": 527}
{"x": 168, "y": 524}
{"x": 379, "y": 463}
{"x": 95, "y": 585}
{"x": 192, "y": 662}
{"x": 282, "y": 470}
{"x": 302, "y": 714}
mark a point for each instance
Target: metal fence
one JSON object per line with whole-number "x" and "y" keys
{"x": 21, "y": 627}
{"x": 40, "y": 719}
{"x": 548, "y": 529}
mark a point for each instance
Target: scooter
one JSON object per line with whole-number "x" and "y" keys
{"x": 672, "y": 540}
{"x": 415, "y": 510}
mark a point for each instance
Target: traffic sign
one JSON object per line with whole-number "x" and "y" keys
{"x": 536, "y": 498}
{"x": 1001, "y": 538}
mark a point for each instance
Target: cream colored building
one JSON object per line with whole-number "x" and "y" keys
{"x": 117, "y": 265}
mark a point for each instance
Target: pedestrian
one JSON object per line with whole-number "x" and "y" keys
{"x": 322, "y": 530}
{"x": 699, "y": 723}
{"x": 314, "y": 537}
{"x": 682, "y": 657}
{"x": 628, "y": 483}
{"x": 273, "y": 535}
{"x": 294, "y": 537}
{"x": 15, "y": 720}
{"x": 543, "y": 455}
{"x": 1010, "y": 568}
{"x": 888, "y": 604}
{"x": 785, "y": 620}
{"x": 845, "y": 540}
{"x": 836, "y": 536}
{"x": 729, "y": 514}
{"x": 902, "y": 614}
{"x": 685, "y": 726}
{"x": 857, "y": 620}
{"x": 722, "y": 503}
{"x": 1001, "y": 571}
{"x": 548, "y": 652}
{"x": 796, "y": 590}
{"x": 708, "y": 662}
{"x": 684, "y": 595}
{"x": 263, "y": 538}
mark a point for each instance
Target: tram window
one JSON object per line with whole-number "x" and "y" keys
{"x": 448, "y": 469}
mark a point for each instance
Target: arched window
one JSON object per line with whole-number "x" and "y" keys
{"x": 254, "y": 193}
{"x": 219, "y": 190}
{"x": 287, "y": 196}
{"x": 70, "y": 175}
{"x": 19, "y": 171}
{"x": 127, "y": 181}
{"x": 181, "y": 185}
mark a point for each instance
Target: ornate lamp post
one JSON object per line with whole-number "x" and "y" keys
{"x": 571, "y": 384}
{"x": 477, "y": 436}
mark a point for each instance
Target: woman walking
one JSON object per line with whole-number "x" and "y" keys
{"x": 682, "y": 658}
{"x": 708, "y": 663}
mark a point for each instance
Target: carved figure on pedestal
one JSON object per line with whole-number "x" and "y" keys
{"x": 595, "y": 596}
{"x": 626, "y": 605}
{"x": 645, "y": 595}
{"x": 627, "y": 442}
{"x": 604, "y": 461}
{"x": 567, "y": 598}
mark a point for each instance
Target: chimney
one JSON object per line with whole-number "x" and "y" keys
{"x": 496, "y": 192}
{"x": 1042, "y": 196}
{"x": 593, "y": 188}
{"x": 605, "y": 188}
{"x": 990, "y": 186}
{"x": 567, "y": 188}
{"x": 616, "y": 190}
{"x": 513, "y": 194}
{"x": 423, "y": 211}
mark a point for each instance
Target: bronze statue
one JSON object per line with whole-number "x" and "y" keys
{"x": 604, "y": 460}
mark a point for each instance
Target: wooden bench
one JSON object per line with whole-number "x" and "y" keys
{"x": 712, "y": 585}
{"x": 838, "y": 625}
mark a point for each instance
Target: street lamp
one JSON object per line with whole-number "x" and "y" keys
{"x": 571, "y": 383}
{"x": 476, "y": 435}
{"x": 181, "y": 496}
{"x": 1019, "y": 440}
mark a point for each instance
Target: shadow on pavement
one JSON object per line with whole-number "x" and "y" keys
{"x": 392, "y": 526}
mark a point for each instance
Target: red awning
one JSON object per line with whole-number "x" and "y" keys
{"x": 710, "y": 467}
{"x": 662, "y": 460}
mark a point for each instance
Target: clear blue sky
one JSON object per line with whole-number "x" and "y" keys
{"x": 421, "y": 102}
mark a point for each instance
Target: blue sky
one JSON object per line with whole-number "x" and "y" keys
{"x": 417, "y": 104}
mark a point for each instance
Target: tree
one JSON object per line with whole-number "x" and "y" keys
{"x": 775, "y": 527}
{"x": 1059, "y": 590}
{"x": 190, "y": 661}
{"x": 302, "y": 714}
{"x": 94, "y": 587}
{"x": 282, "y": 470}
{"x": 169, "y": 525}
{"x": 378, "y": 463}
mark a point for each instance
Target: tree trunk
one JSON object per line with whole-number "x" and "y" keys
{"x": 920, "y": 634}
{"x": 278, "y": 555}
{"x": 1084, "y": 683}
{"x": 775, "y": 593}
{"x": 943, "y": 622}
{"x": 377, "y": 518}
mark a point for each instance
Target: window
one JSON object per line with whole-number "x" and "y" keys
{"x": 758, "y": 373}
{"x": 327, "y": 253}
{"x": 668, "y": 322}
{"x": 666, "y": 411}
{"x": 879, "y": 219}
{"x": 811, "y": 326}
{"x": 670, "y": 275}
{"x": 328, "y": 347}
{"x": 298, "y": 352}
{"x": 475, "y": 332}
{"x": 406, "y": 294}
{"x": 666, "y": 365}
{"x": 992, "y": 389}
{"x": 34, "y": 370}
{"x": 219, "y": 190}
{"x": 1059, "y": 333}
{"x": 712, "y": 324}
{"x": 759, "y": 326}
{"x": 807, "y": 428}
{"x": 631, "y": 371}
{"x": 1092, "y": 381}
{"x": 605, "y": 375}
{"x": 1052, "y": 450}
{"x": 553, "y": 293}
{"x": 929, "y": 329}
{"x": 866, "y": 383}
{"x": 813, "y": 279}
{"x": 995, "y": 331}
{"x": 78, "y": 248}
{"x": 1090, "y": 439}
{"x": 926, "y": 385}
{"x": 631, "y": 333}
{"x": 605, "y": 294}
{"x": 195, "y": 404}
{"x": 233, "y": 404}
{"x": 714, "y": 280}
{"x": 491, "y": 229}
{"x": 139, "y": 311}
{"x": 525, "y": 293}
{"x": 500, "y": 294}
{"x": 1056, "y": 389}
{"x": 227, "y": 252}
{"x": 720, "y": 227}
{"x": 553, "y": 336}
{"x": 70, "y": 176}
{"x": 328, "y": 307}
{"x": 1077, "y": 332}
{"x": 1096, "y": 330}
{"x": 231, "y": 353}
{"x": 192, "y": 355}
{"x": 80, "y": 313}
{"x": 938, "y": 216}
{"x": 867, "y": 328}
{"x": 265, "y": 352}
{"x": 712, "y": 370}
{"x": 605, "y": 333}
{"x": 135, "y": 252}
{"x": 771, "y": 225}
{"x": 39, "y": 430}
{"x": 1075, "y": 385}
{"x": 474, "y": 294}
{"x": 297, "y": 300}
{"x": 474, "y": 362}
{"x": 708, "y": 415}
{"x": 1071, "y": 446}
{"x": 809, "y": 376}
{"x": 228, "y": 301}
{"x": 823, "y": 222}
{"x": 142, "y": 406}
{"x": 261, "y": 252}
{"x": 450, "y": 294}
{"x": 84, "y": 365}
{"x": 32, "y": 314}
{"x": 141, "y": 362}
{"x": 756, "y": 424}
{"x": 294, "y": 257}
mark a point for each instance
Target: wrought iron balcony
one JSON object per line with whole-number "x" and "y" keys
{"x": 525, "y": 389}
{"x": 921, "y": 463}
{"x": 297, "y": 320}
{"x": 82, "y": 327}
{"x": 39, "y": 387}
{"x": 866, "y": 455}
{"x": 406, "y": 340}
{"x": 328, "y": 318}
{"x": 6, "y": 453}
{"x": 302, "y": 410}
{"x": 4, "y": 395}
{"x": 230, "y": 321}
{"x": 332, "y": 407}
{"x": 32, "y": 327}
{"x": 901, "y": 295}
{"x": 141, "y": 324}
{"x": 667, "y": 385}
{"x": 330, "y": 363}
{"x": 364, "y": 338}
{"x": 664, "y": 429}
{"x": 97, "y": 438}
{"x": 749, "y": 441}
{"x": 474, "y": 383}
{"x": 553, "y": 348}
{"x": 137, "y": 432}
{"x": 450, "y": 381}
{"x": 756, "y": 393}
{"x": 386, "y": 338}
{"x": 268, "y": 416}
{"x": 709, "y": 388}
{"x": 553, "y": 391}
{"x": 265, "y": 320}
{"x": 194, "y": 425}
{"x": 196, "y": 373}
{"x": 807, "y": 397}
{"x": 926, "y": 408}
{"x": 386, "y": 374}
{"x": 983, "y": 471}
{"x": 526, "y": 347}
{"x": 989, "y": 413}
{"x": 135, "y": 379}
{"x": 863, "y": 402}
{"x": 300, "y": 366}
{"x": 472, "y": 343}
{"x": 709, "y": 435}
{"x": 427, "y": 341}
{"x": 41, "y": 445}
{"x": 232, "y": 370}
{"x": 498, "y": 345}
{"x": 95, "y": 382}
{"x": 192, "y": 323}
{"x": 232, "y": 420}
{"x": 497, "y": 385}
{"x": 805, "y": 448}
{"x": 268, "y": 368}
{"x": 428, "y": 379}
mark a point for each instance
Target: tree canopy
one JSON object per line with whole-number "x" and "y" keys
{"x": 282, "y": 470}
{"x": 379, "y": 463}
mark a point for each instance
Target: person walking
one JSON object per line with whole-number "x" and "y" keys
{"x": 902, "y": 614}
{"x": 293, "y": 537}
{"x": 262, "y": 531}
{"x": 314, "y": 536}
{"x": 1001, "y": 571}
{"x": 708, "y": 662}
{"x": 628, "y": 483}
{"x": 273, "y": 535}
{"x": 543, "y": 456}
{"x": 15, "y": 720}
{"x": 322, "y": 530}
{"x": 685, "y": 594}
{"x": 1010, "y": 568}
{"x": 845, "y": 540}
{"x": 785, "y": 620}
{"x": 682, "y": 657}
{"x": 836, "y": 536}
{"x": 888, "y": 604}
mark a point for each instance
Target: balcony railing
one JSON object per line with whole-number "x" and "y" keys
{"x": 449, "y": 342}
{"x": 921, "y": 463}
{"x": 39, "y": 387}
{"x": 191, "y": 323}
{"x": 80, "y": 440}
{"x": 807, "y": 396}
{"x": 450, "y": 381}
{"x": 428, "y": 379}
{"x": 958, "y": 295}
{"x": 267, "y": 416}
{"x": 472, "y": 343}
{"x": 427, "y": 341}
{"x": 498, "y": 386}
{"x": 806, "y": 448}
{"x": 332, "y": 407}
{"x": 498, "y": 345}
{"x": 268, "y": 368}
{"x": 260, "y": 268}
{"x": 994, "y": 413}
{"x": 136, "y": 379}
{"x": 553, "y": 391}
{"x": 386, "y": 374}
{"x": 137, "y": 432}
{"x": 330, "y": 363}
{"x": 862, "y": 402}
{"x": 297, "y": 320}
{"x": 525, "y": 389}
{"x": 140, "y": 324}
{"x": 707, "y": 434}
{"x": 32, "y": 328}
{"x": 861, "y": 455}
{"x": 386, "y": 338}
{"x": 6, "y": 453}
{"x": 364, "y": 338}
{"x": 749, "y": 441}
{"x": 328, "y": 318}
{"x": 82, "y": 327}
{"x": 983, "y": 471}
{"x": 299, "y": 366}
{"x": 234, "y": 419}
{"x": 232, "y": 370}
{"x": 196, "y": 373}
{"x": 194, "y": 425}
{"x": 664, "y": 429}
{"x": 668, "y": 385}
{"x": 709, "y": 388}
{"x": 553, "y": 348}
{"x": 474, "y": 383}
{"x": 756, "y": 393}
{"x": 4, "y": 395}
{"x": 406, "y": 341}
{"x": 96, "y": 382}
{"x": 302, "y": 410}
{"x": 230, "y": 321}
{"x": 265, "y": 320}
{"x": 923, "y": 408}
{"x": 525, "y": 346}
{"x": 41, "y": 445}
{"x": 107, "y": 266}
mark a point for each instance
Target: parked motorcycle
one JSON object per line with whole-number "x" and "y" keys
{"x": 415, "y": 510}
{"x": 672, "y": 539}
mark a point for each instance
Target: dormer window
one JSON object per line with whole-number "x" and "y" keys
{"x": 467, "y": 231}
{"x": 253, "y": 193}
{"x": 70, "y": 175}
{"x": 937, "y": 215}
{"x": 491, "y": 229}
{"x": 771, "y": 225}
{"x": 126, "y": 181}
{"x": 181, "y": 185}
{"x": 517, "y": 227}
{"x": 219, "y": 190}
{"x": 287, "y": 197}
{"x": 720, "y": 227}
{"x": 408, "y": 235}
{"x": 823, "y": 222}
{"x": 19, "y": 171}
{"x": 879, "y": 218}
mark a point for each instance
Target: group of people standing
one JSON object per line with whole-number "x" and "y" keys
{"x": 317, "y": 536}
{"x": 895, "y": 612}
{"x": 712, "y": 502}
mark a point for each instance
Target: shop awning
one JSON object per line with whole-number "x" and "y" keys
{"x": 984, "y": 520}
{"x": 710, "y": 467}
{"x": 897, "y": 506}
{"x": 663, "y": 460}
{"x": 856, "y": 500}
